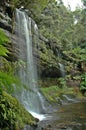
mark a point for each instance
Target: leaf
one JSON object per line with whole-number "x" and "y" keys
{"x": 3, "y": 51}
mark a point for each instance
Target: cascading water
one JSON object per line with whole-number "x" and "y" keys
{"x": 62, "y": 70}
{"x": 31, "y": 98}
{"x": 61, "y": 66}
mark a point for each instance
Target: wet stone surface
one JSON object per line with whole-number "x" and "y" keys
{"x": 68, "y": 117}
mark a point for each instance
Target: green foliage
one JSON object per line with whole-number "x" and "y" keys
{"x": 3, "y": 40}
{"x": 38, "y": 5}
{"x": 9, "y": 82}
{"x": 35, "y": 6}
{"x": 12, "y": 113}
{"x": 84, "y": 2}
{"x": 7, "y": 69}
{"x": 7, "y": 66}
{"x": 77, "y": 53}
{"x": 52, "y": 93}
{"x": 83, "y": 82}
{"x": 66, "y": 28}
{"x": 3, "y": 51}
{"x": 61, "y": 83}
{"x": 3, "y": 37}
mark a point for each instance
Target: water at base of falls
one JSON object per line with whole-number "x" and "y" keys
{"x": 39, "y": 116}
{"x": 31, "y": 98}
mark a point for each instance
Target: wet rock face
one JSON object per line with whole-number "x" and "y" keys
{"x": 28, "y": 127}
{"x": 50, "y": 72}
{"x": 5, "y": 20}
{"x": 4, "y": 24}
{"x": 6, "y": 8}
{"x": 44, "y": 51}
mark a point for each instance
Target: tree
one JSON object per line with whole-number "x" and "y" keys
{"x": 66, "y": 28}
{"x": 35, "y": 6}
{"x": 56, "y": 22}
{"x": 84, "y": 2}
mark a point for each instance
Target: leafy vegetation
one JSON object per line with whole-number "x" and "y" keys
{"x": 64, "y": 29}
{"x": 8, "y": 82}
{"x": 3, "y": 40}
{"x": 12, "y": 113}
{"x": 35, "y": 6}
{"x": 7, "y": 77}
{"x": 53, "y": 93}
{"x": 83, "y": 83}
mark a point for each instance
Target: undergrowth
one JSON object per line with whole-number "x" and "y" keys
{"x": 12, "y": 114}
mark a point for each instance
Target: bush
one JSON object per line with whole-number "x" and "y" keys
{"x": 83, "y": 83}
{"x": 12, "y": 113}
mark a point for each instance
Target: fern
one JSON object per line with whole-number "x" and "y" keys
{"x": 3, "y": 51}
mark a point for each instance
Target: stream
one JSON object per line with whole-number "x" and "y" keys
{"x": 71, "y": 116}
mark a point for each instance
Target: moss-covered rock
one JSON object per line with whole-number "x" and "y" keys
{"x": 56, "y": 94}
{"x": 12, "y": 114}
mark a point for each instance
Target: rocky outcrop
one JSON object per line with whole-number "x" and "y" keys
{"x": 47, "y": 53}
{"x": 44, "y": 51}
{"x": 5, "y": 22}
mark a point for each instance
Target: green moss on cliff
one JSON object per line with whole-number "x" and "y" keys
{"x": 3, "y": 40}
{"x": 12, "y": 113}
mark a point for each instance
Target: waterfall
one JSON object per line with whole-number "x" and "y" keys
{"x": 62, "y": 70}
{"x": 31, "y": 98}
{"x": 61, "y": 66}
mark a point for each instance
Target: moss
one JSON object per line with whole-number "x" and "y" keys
{"x": 52, "y": 93}
{"x": 8, "y": 81}
{"x": 12, "y": 114}
{"x": 3, "y": 41}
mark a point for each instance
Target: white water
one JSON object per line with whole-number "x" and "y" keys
{"x": 31, "y": 98}
{"x": 62, "y": 70}
{"x": 68, "y": 98}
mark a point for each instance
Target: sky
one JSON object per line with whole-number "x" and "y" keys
{"x": 73, "y": 3}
